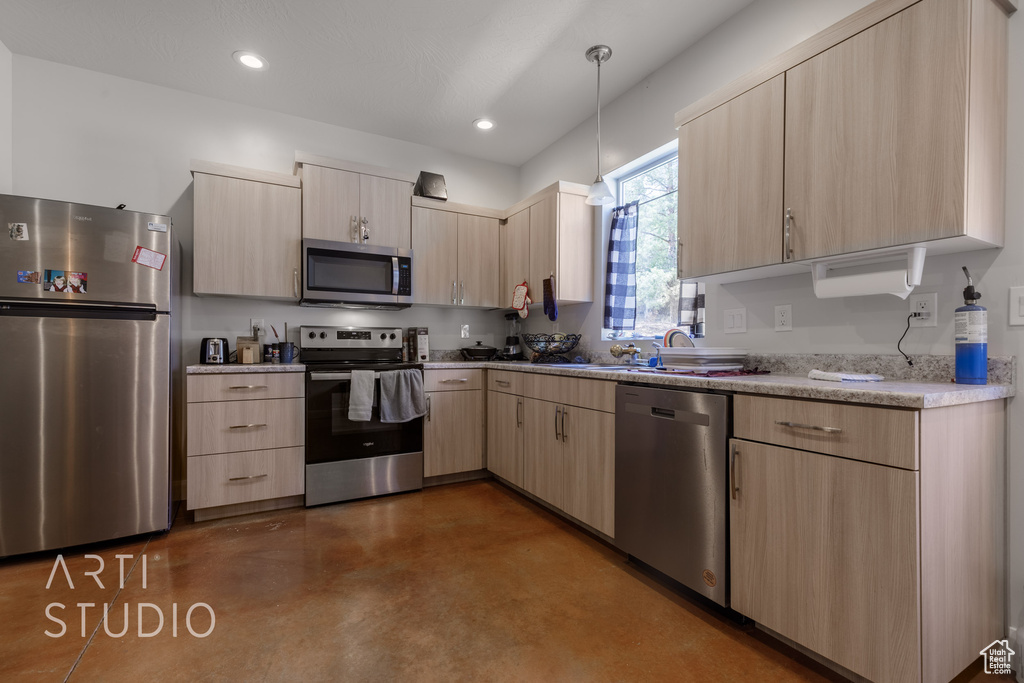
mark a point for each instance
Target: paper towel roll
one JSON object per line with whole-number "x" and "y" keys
{"x": 886, "y": 282}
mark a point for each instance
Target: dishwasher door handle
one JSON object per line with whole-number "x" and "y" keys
{"x": 732, "y": 471}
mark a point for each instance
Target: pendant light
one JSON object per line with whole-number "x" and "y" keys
{"x": 600, "y": 193}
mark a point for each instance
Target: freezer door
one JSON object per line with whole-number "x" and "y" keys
{"x": 84, "y": 429}
{"x": 59, "y": 252}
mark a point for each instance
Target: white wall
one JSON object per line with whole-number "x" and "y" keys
{"x": 642, "y": 120}
{"x": 92, "y": 138}
{"x": 6, "y": 122}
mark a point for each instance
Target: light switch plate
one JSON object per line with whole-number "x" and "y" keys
{"x": 1016, "y": 306}
{"x": 735, "y": 320}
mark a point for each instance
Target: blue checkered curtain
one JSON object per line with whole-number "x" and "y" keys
{"x": 620, "y": 282}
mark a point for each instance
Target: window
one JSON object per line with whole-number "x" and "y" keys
{"x": 662, "y": 301}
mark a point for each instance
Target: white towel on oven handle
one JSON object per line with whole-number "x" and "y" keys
{"x": 360, "y": 397}
{"x": 401, "y": 395}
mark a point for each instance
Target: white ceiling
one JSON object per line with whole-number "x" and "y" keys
{"x": 415, "y": 70}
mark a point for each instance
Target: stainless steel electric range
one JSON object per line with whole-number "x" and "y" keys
{"x": 346, "y": 459}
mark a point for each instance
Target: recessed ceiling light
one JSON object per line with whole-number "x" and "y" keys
{"x": 251, "y": 60}
{"x": 483, "y": 124}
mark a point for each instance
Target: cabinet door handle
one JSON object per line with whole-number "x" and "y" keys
{"x": 797, "y": 425}
{"x": 564, "y": 435}
{"x": 519, "y": 413}
{"x": 788, "y": 237}
{"x": 502, "y": 383}
{"x": 732, "y": 471}
{"x": 462, "y": 295}
{"x": 428, "y": 409}
{"x": 355, "y": 228}
{"x": 295, "y": 281}
{"x": 453, "y": 292}
{"x": 558, "y": 414}
{"x": 249, "y": 386}
{"x": 365, "y": 232}
{"x": 454, "y": 381}
{"x": 247, "y": 426}
{"x": 251, "y": 476}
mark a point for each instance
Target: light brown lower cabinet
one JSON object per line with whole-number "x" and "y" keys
{"x": 569, "y": 460}
{"x": 505, "y": 436}
{"x": 453, "y": 429}
{"x": 893, "y": 572}
{"x": 245, "y": 442}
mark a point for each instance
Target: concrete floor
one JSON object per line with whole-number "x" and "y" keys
{"x": 461, "y": 582}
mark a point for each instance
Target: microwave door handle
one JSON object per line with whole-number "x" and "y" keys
{"x": 394, "y": 275}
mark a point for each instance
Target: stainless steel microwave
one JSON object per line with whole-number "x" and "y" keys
{"x": 352, "y": 275}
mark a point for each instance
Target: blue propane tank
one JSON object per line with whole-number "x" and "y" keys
{"x": 971, "y": 336}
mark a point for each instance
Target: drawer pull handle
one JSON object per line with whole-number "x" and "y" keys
{"x": 797, "y": 425}
{"x": 455, "y": 381}
{"x": 247, "y": 426}
{"x": 249, "y": 386}
{"x": 502, "y": 383}
{"x": 251, "y": 476}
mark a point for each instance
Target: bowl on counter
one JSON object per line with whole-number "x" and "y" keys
{"x": 551, "y": 343}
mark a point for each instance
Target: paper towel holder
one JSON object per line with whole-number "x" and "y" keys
{"x": 899, "y": 283}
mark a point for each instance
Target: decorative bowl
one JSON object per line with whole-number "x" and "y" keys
{"x": 551, "y": 343}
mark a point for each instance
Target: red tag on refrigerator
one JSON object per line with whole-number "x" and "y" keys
{"x": 150, "y": 258}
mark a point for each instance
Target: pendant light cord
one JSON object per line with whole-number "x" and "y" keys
{"x": 598, "y": 60}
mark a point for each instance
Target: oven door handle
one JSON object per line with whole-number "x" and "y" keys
{"x": 394, "y": 275}
{"x": 321, "y": 376}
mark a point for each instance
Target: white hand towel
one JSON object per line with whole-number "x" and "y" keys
{"x": 360, "y": 397}
{"x": 401, "y": 395}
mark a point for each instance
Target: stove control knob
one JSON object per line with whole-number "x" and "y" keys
{"x": 323, "y": 335}
{"x": 383, "y": 336}
{"x": 312, "y": 335}
{"x": 392, "y": 335}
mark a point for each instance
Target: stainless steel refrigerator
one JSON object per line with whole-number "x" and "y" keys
{"x": 86, "y": 364}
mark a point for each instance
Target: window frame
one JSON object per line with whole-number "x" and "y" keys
{"x": 668, "y": 157}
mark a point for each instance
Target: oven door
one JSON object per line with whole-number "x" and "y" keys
{"x": 331, "y": 436}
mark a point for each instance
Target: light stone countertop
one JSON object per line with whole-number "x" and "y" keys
{"x": 901, "y": 394}
{"x": 230, "y": 368}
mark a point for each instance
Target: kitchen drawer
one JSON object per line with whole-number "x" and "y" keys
{"x": 886, "y": 436}
{"x": 505, "y": 381}
{"x": 229, "y": 426}
{"x": 245, "y": 385}
{"x": 452, "y": 380}
{"x": 595, "y": 394}
{"x": 229, "y": 478}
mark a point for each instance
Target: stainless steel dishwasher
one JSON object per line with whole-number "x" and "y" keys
{"x": 671, "y": 484}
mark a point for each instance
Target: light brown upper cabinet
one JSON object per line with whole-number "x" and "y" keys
{"x": 348, "y": 202}
{"x": 247, "y": 232}
{"x": 456, "y": 254}
{"x": 549, "y": 233}
{"x": 730, "y": 182}
{"x": 894, "y": 130}
{"x": 514, "y": 247}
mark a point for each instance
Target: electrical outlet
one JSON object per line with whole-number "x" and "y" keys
{"x": 925, "y": 306}
{"x": 465, "y": 331}
{"x": 735, "y": 320}
{"x": 257, "y": 327}
{"x": 784, "y": 318}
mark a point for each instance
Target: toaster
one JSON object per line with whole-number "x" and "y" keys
{"x": 214, "y": 350}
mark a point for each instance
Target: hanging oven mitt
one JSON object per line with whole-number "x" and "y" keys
{"x": 550, "y": 306}
{"x": 521, "y": 299}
